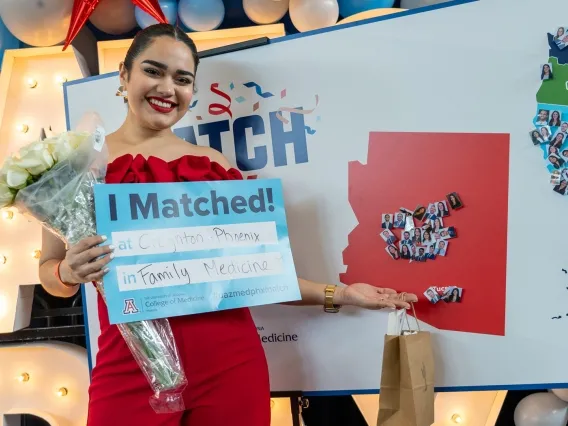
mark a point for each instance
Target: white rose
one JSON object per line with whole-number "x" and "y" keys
{"x": 16, "y": 177}
{"x": 74, "y": 139}
{"x": 35, "y": 158}
{"x": 61, "y": 151}
{"x": 6, "y": 195}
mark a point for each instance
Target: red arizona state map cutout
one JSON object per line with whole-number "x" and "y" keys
{"x": 407, "y": 169}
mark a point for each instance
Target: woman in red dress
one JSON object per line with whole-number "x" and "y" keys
{"x": 221, "y": 353}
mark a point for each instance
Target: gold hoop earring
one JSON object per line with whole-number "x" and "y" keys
{"x": 121, "y": 92}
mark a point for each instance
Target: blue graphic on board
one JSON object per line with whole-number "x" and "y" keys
{"x": 554, "y": 138}
{"x": 555, "y": 52}
{"x": 193, "y": 247}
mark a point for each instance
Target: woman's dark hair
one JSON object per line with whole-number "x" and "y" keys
{"x": 145, "y": 37}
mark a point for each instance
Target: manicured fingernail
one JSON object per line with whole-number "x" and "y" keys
{"x": 106, "y": 270}
{"x": 104, "y": 237}
{"x": 111, "y": 247}
{"x": 112, "y": 256}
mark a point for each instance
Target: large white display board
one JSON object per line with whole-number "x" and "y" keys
{"x": 468, "y": 68}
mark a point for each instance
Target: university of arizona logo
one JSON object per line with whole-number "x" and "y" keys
{"x": 129, "y": 307}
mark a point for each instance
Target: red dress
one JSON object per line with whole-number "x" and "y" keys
{"x": 221, "y": 352}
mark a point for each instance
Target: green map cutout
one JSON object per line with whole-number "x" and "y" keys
{"x": 555, "y": 91}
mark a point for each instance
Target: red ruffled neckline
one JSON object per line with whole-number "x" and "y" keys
{"x": 188, "y": 168}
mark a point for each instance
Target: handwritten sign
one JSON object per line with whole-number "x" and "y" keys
{"x": 193, "y": 247}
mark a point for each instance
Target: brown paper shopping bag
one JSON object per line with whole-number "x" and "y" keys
{"x": 407, "y": 382}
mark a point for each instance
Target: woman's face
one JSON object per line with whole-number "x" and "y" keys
{"x": 160, "y": 84}
{"x": 544, "y": 132}
{"x": 437, "y": 222}
{"x": 546, "y": 68}
{"x": 455, "y": 292}
{"x": 404, "y": 250}
{"x": 552, "y": 159}
{"x": 556, "y": 115}
{"x": 560, "y": 32}
{"x": 454, "y": 198}
{"x": 392, "y": 250}
{"x": 559, "y": 137}
{"x": 417, "y": 233}
{"x": 426, "y": 235}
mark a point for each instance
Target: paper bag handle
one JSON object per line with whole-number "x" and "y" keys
{"x": 403, "y": 297}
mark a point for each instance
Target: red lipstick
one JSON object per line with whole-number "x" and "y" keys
{"x": 161, "y": 105}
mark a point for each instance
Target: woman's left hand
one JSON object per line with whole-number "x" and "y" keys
{"x": 370, "y": 297}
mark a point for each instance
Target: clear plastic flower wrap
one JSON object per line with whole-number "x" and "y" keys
{"x": 61, "y": 198}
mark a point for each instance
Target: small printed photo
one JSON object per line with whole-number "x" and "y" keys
{"x": 431, "y": 252}
{"x": 437, "y": 224}
{"x": 448, "y": 233}
{"x": 555, "y": 119}
{"x": 556, "y": 177}
{"x": 409, "y": 223}
{"x": 432, "y": 295}
{"x": 427, "y": 239}
{"x": 406, "y": 238}
{"x": 405, "y": 252}
{"x": 452, "y": 295}
{"x": 442, "y": 209}
{"x": 558, "y": 139}
{"x": 417, "y": 237}
{"x": 564, "y": 174}
{"x": 556, "y": 161}
{"x": 436, "y": 236}
{"x": 420, "y": 255}
{"x": 546, "y": 133}
{"x": 561, "y": 38}
{"x": 542, "y": 117}
{"x": 546, "y": 72}
{"x": 386, "y": 221}
{"x": 454, "y": 200}
{"x": 553, "y": 150}
{"x": 561, "y": 187}
{"x": 431, "y": 212}
{"x": 536, "y": 138}
{"x": 564, "y": 127}
{"x": 564, "y": 155}
{"x": 399, "y": 220}
{"x": 419, "y": 212}
{"x": 392, "y": 251}
{"x": 388, "y": 236}
{"x": 441, "y": 248}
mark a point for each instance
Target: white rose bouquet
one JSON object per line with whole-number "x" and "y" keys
{"x": 52, "y": 180}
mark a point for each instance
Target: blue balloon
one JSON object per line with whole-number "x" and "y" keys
{"x": 7, "y": 40}
{"x": 201, "y": 15}
{"x": 351, "y": 7}
{"x": 169, "y": 7}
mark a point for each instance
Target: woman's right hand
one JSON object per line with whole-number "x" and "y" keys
{"x": 86, "y": 261}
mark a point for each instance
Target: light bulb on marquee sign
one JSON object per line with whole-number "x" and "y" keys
{"x": 3, "y": 259}
{"x": 36, "y": 254}
{"x": 62, "y": 392}
{"x": 22, "y": 128}
{"x": 7, "y": 214}
{"x": 60, "y": 79}
{"x": 456, "y": 418}
{"x": 31, "y": 82}
{"x": 24, "y": 377}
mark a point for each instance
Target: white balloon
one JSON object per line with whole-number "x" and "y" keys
{"x": 413, "y": 4}
{"x": 265, "y": 11}
{"x": 561, "y": 393}
{"x": 310, "y": 15}
{"x": 114, "y": 16}
{"x": 541, "y": 409}
{"x": 37, "y": 22}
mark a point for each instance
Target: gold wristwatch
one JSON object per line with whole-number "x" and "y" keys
{"x": 328, "y": 302}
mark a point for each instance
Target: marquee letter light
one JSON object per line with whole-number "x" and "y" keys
{"x": 49, "y": 380}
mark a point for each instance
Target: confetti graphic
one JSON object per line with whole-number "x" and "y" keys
{"x": 193, "y": 104}
{"x": 231, "y": 86}
{"x": 283, "y": 94}
{"x": 198, "y": 117}
{"x": 310, "y": 130}
{"x": 297, "y": 111}
{"x": 252, "y": 176}
{"x": 559, "y": 317}
{"x": 256, "y": 106}
{"x": 218, "y": 109}
{"x": 258, "y": 89}
{"x": 240, "y": 99}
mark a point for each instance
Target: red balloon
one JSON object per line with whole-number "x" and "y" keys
{"x": 82, "y": 10}
{"x": 152, "y": 8}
